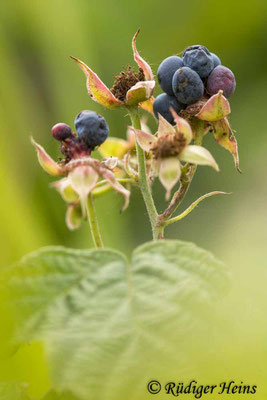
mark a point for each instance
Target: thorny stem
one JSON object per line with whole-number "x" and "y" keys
{"x": 92, "y": 219}
{"x": 185, "y": 181}
{"x": 157, "y": 231}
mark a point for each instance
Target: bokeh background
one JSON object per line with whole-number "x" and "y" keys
{"x": 40, "y": 86}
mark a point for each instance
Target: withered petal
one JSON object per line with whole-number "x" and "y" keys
{"x": 140, "y": 61}
{"x": 98, "y": 91}
{"x": 216, "y": 108}
{"x": 46, "y": 162}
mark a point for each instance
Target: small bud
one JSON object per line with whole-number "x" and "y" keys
{"x": 111, "y": 162}
{"x": 61, "y": 132}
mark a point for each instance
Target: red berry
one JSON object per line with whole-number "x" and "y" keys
{"x": 61, "y": 131}
{"x": 221, "y": 78}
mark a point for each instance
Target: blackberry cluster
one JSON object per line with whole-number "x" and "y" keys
{"x": 92, "y": 130}
{"x": 186, "y": 79}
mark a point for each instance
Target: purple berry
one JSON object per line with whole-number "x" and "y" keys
{"x": 162, "y": 105}
{"x": 221, "y": 78}
{"x": 61, "y": 132}
{"x": 216, "y": 60}
{"x": 187, "y": 86}
{"x": 199, "y": 59}
{"x": 92, "y": 128}
{"x": 166, "y": 71}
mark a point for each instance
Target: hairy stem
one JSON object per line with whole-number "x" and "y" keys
{"x": 92, "y": 219}
{"x": 143, "y": 182}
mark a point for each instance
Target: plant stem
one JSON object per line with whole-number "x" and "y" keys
{"x": 143, "y": 182}
{"x": 191, "y": 207}
{"x": 185, "y": 181}
{"x": 92, "y": 219}
{"x": 178, "y": 196}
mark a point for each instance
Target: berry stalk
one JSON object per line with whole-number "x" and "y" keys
{"x": 157, "y": 231}
{"x": 93, "y": 222}
{"x": 185, "y": 181}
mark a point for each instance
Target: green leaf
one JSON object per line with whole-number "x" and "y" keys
{"x": 12, "y": 391}
{"x": 102, "y": 318}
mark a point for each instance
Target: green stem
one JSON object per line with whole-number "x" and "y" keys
{"x": 191, "y": 207}
{"x": 185, "y": 181}
{"x": 143, "y": 182}
{"x": 92, "y": 219}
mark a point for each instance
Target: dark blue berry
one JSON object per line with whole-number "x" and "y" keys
{"x": 162, "y": 105}
{"x": 196, "y": 47}
{"x": 92, "y": 128}
{"x": 166, "y": 71}
{"x": 221, "y": 78}
{"x": 199, "y": 59}
{"x": 61, "y": 132}
{"x": 216, "y": 60}
{"x": 187, "y": 86}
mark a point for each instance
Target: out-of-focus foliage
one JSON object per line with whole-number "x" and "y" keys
{"x": 101, "y": 316}
{"x": 40, "y": 86}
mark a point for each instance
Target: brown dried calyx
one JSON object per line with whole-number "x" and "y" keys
{"x": 73, "y": 148}
{"x": 169, "y": 146}
{"x": 193, "y": 109}
{"x": 125, "y": 80}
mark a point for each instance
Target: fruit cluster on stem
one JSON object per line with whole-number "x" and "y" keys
{"x": 194, "y": 102}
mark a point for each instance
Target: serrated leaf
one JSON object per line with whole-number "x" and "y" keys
{"x": 223, "y": 134}
{"x": 102, "y": 318}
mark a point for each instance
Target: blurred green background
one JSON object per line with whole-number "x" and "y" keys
{"x": 41, "y": 86}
